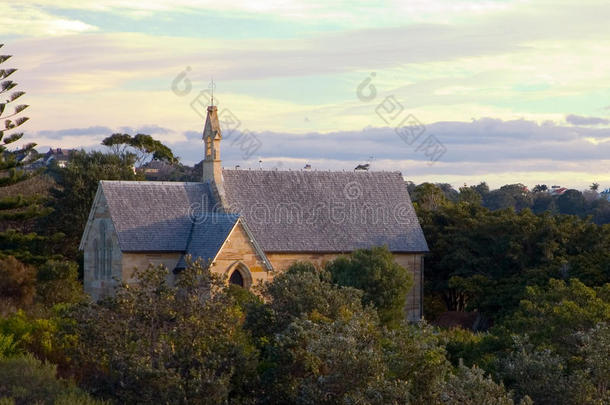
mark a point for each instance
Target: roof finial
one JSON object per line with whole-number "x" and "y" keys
{"x": 212, "y": 86}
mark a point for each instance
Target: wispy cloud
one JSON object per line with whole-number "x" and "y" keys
{"x": 30, "y": 20}
{"x": 146, "y": 129}
{"x": 59, "y": 134}
{"x": 580, "y": 120}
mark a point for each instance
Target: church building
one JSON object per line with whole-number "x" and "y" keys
{"x": 249, "y": 224}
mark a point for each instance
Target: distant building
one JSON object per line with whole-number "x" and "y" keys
{"x": 24, "y": 158}
{"x": 59, "y": 155}
{"x": 156, "y": 170}
{"x": 557, "y": 190}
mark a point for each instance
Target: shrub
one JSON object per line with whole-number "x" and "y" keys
{"x": 58, "y": 283}
{"x": 26, "y": 380}
{"x": 385, "y": 283}
{"x": 17, "y": 282}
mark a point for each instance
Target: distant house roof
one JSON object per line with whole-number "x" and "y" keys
{"x": 558, "y": 190}
{"x": 313, "y": 211}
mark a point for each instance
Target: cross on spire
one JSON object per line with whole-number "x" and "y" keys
{"x": 212, "y": 86}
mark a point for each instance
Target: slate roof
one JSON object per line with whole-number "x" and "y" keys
{"x": 208, "y": 234}
{"x": 319, "y": 211}
{"x": 286, "y": 211}
{"x": 155, "y": 216}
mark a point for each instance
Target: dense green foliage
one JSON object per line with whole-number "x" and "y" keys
{"x": 309, "y": 342}
{"x": 161, "y": 343}
{"x": 25, "y": 380}
{"x": 588, "y": 203}
{"x": 384, "y": 282}
{"x": 483, "y": 260}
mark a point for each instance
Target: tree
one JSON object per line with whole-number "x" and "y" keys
{"x": 385, "y": 283}
{"x": 448, "y": 191}
{"x": 141, "y": 146}
{"x": 76, "y": 186}
{"x": 594, "y": 187}
{"x": 414, "y": 353}
{"x": 594, "y": 346}
{"x": 543, "y": 202}
{"x": 539, "y": 374}
{"x": 329, "y": 362}
{"x": 553, "y": 314}
{"x": 571, "y": 202}
{"x": 470, "y": 386}
{"x": 14, "y": 207}
{"x": 320, "y": 346}
{"x": 11, "y": 161}
{"x": 509, "y": 196}
{"x": 160, "y": 342}
{"x": 299, "y": 291}
{"x": 482, "y": 188}
{"x": 469, "y": 195}
{"x": 428, "y": 196}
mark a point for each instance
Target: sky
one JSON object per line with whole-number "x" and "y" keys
{"x": 457, "y": 91}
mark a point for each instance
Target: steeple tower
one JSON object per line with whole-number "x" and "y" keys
{"x": 212, "y": 135}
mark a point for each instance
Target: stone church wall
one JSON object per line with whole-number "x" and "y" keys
{"x": 97, "y": 287}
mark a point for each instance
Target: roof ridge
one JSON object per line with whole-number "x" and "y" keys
{"x": 309, "y": 171}
{"x": 153, "y": 182}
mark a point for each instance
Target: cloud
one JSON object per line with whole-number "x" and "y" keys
{"x": 146, "y": 129}
{"x": 192, "y": 135}
{"x": 59, "y": 134}
{"x": 30, "y": 20}
{"x": 580, "y": 120}
{"x": 97, "y": 131}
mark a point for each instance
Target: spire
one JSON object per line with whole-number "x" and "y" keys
{"x": 211, "y": 130}
{"x": 212, "y": 166}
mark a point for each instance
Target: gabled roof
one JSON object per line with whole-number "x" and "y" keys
{"x": 155, "y": 216}
{"x": 207, "y": 236}
{"x": 318, "y": 211}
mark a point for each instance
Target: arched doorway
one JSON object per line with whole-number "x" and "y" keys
{"x": 236, "y": 278}
{"x": 239, "y": 274}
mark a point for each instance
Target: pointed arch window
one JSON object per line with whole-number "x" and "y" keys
{"x": 240, "y": 275}
{"x": 96, "y": 260}
{"x": 108, "y": 272}
{"x": 236, "y": 278}
{"x": 102, "y": 254}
